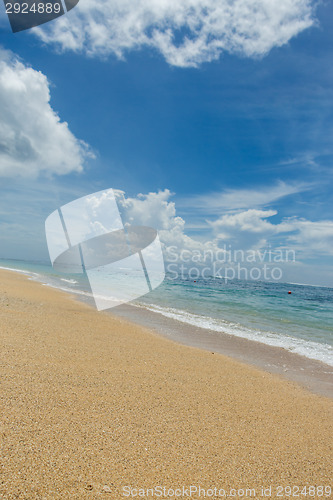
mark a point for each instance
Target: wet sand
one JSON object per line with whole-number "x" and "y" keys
{"x": 91, "y": 404}
{"x": 311, "y": 374}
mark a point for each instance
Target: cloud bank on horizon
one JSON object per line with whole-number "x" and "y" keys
{"x": 186, "y": 33}
{"x": 33, "y": 139}
{"x": 242, "y": 228}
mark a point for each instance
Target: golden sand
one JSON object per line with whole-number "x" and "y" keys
{"x": 91, "y": 404}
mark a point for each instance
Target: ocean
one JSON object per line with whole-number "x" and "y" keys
{"x": 301, "y": 322}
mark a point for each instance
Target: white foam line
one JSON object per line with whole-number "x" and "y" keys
{"x": 21, "y": 271}
{"x": 307, "y": 348}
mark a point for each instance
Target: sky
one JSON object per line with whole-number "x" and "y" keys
{"x": 212, "y": 119}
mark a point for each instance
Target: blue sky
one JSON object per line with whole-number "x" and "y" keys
{"x": 240, "y": 135}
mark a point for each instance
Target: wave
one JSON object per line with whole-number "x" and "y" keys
{"x": 72, "y": 282}
{"x": 22, "y": 271}
{"x": 307, "y": 348}
{"x": 308, "y": 285}
{"x": 312, "y": 350}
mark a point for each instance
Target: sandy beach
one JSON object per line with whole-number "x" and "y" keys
{"x": 93, "y": 405}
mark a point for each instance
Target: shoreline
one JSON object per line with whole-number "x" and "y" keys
{"x": 313, "y": 375}
{"x": 92, "y": 403}
{"x": 310, "y": 374}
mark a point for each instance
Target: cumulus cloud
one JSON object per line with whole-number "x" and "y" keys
{"x": 33, "y": 139}
{"x": 186, "y": 32}
{"x": 311, "y": 237}
{"x": 248, "y": 229}
{"x": 251, "y": 229}
{"x": 157, "y": 211}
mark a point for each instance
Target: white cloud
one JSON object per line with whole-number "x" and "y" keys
{"x": 249, "y": 229}
{"x": 185, "y": 32}
{"x": 312, "y": 238}
{"x": 157, "y": 211}
{"x": 252, "y": 221}
{"x": 33, "y": 139}
{"x": 235, "y": 199}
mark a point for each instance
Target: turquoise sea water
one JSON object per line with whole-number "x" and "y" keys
{"x": 301, "y": 322}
